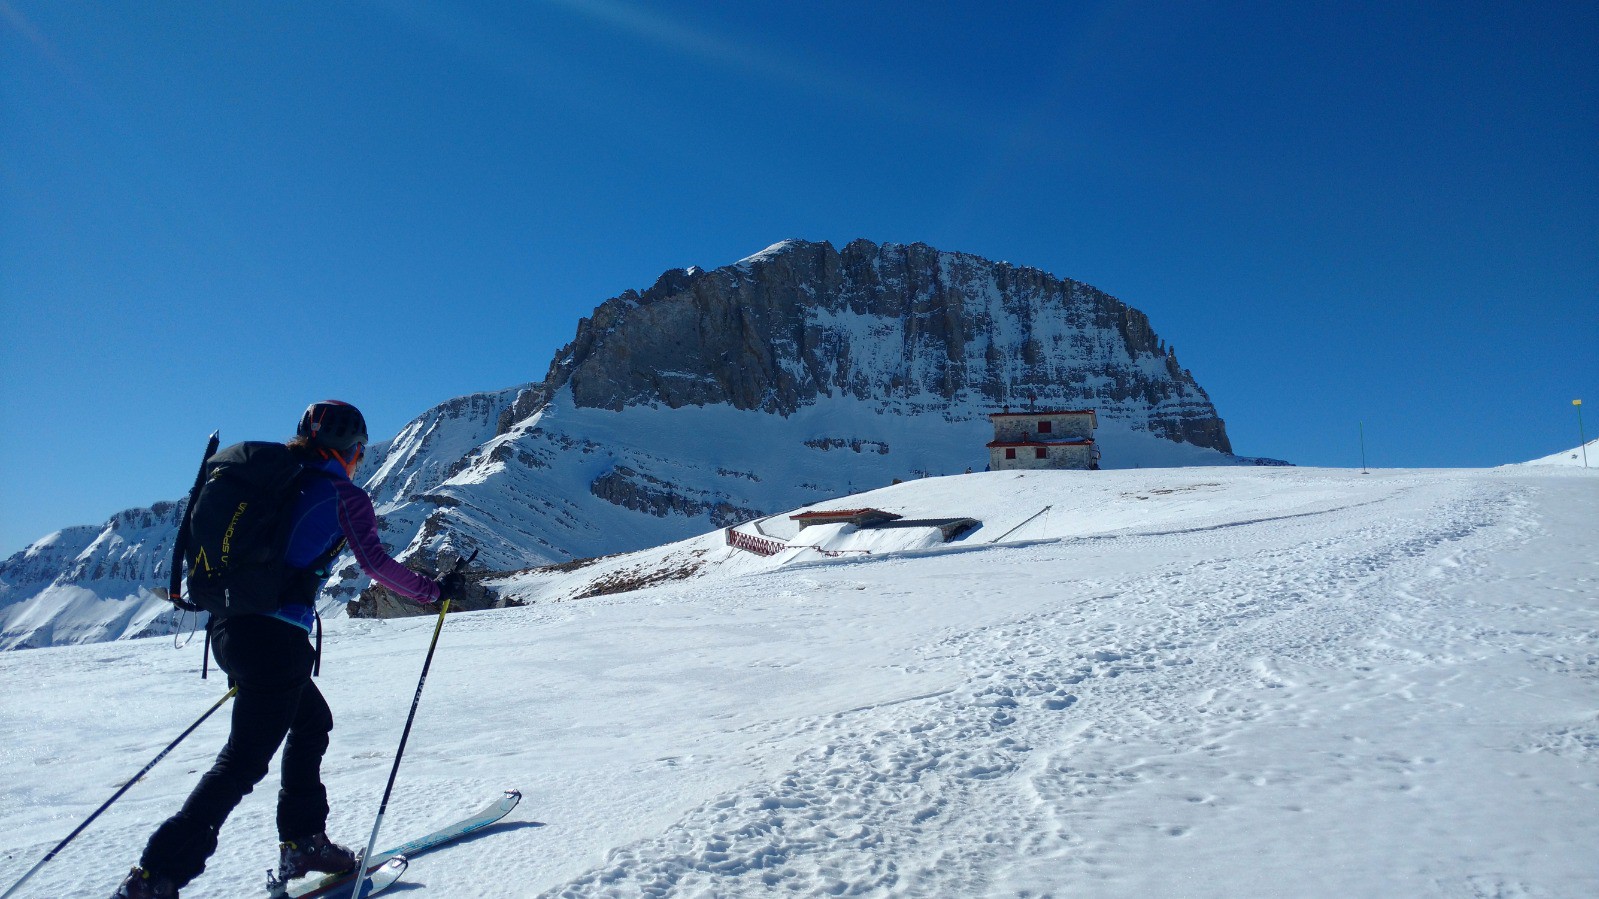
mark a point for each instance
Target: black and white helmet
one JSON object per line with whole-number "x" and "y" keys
{"x": 334, "y": 425}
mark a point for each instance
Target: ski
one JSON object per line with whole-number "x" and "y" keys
{"x": 379, "y": 878}
{"x": 387, "y": 866}
{"x": 449, "y": 833}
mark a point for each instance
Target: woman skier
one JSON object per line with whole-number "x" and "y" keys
{"x": 270, "y": 659}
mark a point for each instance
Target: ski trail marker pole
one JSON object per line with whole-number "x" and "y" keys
{"x": 372, "y": 841}
{"x": 118, "y": 794}
{"x": 1582, "y": 434}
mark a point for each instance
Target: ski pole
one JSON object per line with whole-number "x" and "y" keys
{"x": 372, "y": 841}
{"x": 118, "y": 794}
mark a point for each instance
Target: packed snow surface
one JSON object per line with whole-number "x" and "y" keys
{"x": 1215, "y": 682}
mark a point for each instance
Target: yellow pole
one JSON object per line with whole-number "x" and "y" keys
{"x": 1581, "y": 434}
{"x": 372, "y": 841}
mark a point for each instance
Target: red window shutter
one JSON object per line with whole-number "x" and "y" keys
{"x": 1039, "y": 453}
{"x": 1010, "y": 453}
{"x": 1045, "y": 427}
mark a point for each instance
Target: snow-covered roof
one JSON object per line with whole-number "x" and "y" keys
{"x": 1078, "y": 441}
{"x": 824, "y": 515}
{"x": 1043, "y": 413}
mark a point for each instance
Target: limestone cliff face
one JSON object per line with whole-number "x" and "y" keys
{"x": 905, "y": 324}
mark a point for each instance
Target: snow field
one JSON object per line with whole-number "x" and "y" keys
{"x": 1258, "y": 683}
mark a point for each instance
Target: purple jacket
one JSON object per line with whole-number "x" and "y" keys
{"x": 331, "y": 507}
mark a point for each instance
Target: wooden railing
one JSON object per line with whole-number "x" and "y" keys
{"x": 751, "y": 543}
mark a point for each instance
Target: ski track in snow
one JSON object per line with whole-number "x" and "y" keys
{"x": 1179, "y": 662}
{"x": 1362, "y": 700}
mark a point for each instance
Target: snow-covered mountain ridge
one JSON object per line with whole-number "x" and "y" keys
{"x": 798, "y": 374}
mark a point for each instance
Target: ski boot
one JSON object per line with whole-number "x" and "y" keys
{"x": 297, "y": 858}
{"x": 141, "y": 884}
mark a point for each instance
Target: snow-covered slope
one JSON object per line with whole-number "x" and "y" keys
{"x": 1222, "y": 682}
{"x": 1010, "y": 507}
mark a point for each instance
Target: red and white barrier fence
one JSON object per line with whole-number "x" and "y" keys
{"x": 751, "y": 543}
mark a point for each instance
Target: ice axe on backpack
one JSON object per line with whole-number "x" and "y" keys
{"x": 175, "y": 588}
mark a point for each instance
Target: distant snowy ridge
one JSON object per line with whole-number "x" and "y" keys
{"x": 798, "y": 374}
{"x": 1586, "y": 455}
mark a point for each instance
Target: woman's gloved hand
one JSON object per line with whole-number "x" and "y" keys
{"x": 451, "y": 586}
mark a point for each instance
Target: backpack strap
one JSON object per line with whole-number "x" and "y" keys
{"x": 181, "y": 543}
{"x": 321, "y": 563}
{"x": 318, "y": 569}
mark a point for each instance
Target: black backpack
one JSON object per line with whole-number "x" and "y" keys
{"x": 235, "y": 530}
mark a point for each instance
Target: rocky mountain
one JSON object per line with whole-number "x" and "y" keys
{"x": 940, "y": 331}
{"x": 801, "y": 373}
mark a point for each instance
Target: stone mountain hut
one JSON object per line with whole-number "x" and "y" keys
{"x": 1054, "y": 438}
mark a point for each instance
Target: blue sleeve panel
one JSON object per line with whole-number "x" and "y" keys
{"x": 314, "y": 526}
{"x": 313, "y": 530}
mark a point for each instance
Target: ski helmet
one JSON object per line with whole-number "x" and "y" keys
{"x": 333, "y": 424}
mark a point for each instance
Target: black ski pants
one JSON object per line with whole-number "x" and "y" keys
{"x": 270, "y": 662}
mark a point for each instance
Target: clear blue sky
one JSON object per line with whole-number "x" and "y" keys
{"x": 212, "y": 213}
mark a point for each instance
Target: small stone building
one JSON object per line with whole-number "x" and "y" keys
{"x": 1053, "y": 438}
{"x": 861, "y": 518}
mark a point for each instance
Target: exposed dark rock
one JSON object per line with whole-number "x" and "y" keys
{"x": 622, "y": 486}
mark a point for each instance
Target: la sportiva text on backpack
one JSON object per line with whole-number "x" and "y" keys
{"x": 232, "y": 539}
